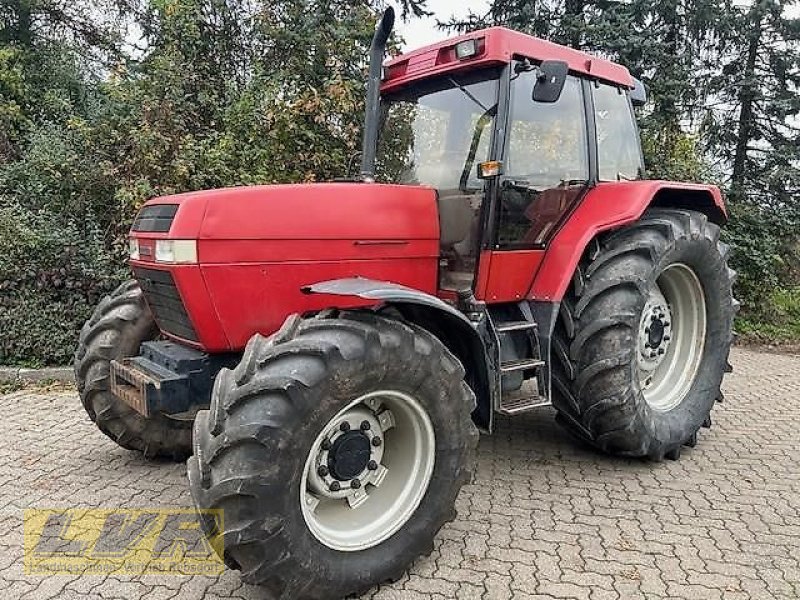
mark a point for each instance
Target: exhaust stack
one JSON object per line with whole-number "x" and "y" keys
{"x": 371, "y": 116}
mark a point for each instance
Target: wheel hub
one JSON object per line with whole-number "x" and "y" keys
{"x": 349, "y": 455}
{"x": 350, "y": 446}
{"x": 655, "y": 334}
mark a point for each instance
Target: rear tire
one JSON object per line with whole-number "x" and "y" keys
{"x": 620, "y": 380}
{"x": 252, "y": 451}
{"x": 120, "y": 323}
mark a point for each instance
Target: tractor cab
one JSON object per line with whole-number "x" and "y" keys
{"x": 509, "y": 149}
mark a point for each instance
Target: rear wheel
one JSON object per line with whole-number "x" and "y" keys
{"x": 642, "y": 342}
{"x": 120, "y": 323}
{"x": 336, "y": 450}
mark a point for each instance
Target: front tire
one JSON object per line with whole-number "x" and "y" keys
{"x": 120, "y": 323}
{"x": 643, "y": 336}
{"x": 304, "y": 531}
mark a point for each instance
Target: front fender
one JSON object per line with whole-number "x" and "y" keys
{"x": 608, "y": 206}
{"x": 383, "y": 291}
{"x": 467, "y": 339}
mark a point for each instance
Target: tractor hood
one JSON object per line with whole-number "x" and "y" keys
{"x": 325, "y": 211}
{"x": 239, "y": 258}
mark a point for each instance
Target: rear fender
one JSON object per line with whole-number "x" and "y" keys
{"x": 609, "y": 206}
{"x": 469, "y": 341}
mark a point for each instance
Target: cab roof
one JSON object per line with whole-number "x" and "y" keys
{"x": 495, "y": 46}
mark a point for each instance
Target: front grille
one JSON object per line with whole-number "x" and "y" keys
{"x": 162, "y": 295}
{"x": 155, "y": 218}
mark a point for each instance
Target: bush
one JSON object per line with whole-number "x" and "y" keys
{"x": 783, "y": 323}
{"x": 52, "y": 274}
{"x": 764, "y": 246}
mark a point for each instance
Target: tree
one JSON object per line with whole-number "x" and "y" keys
{"x": 49, "y": 52}
{"x": 753, "y": 125}
{"x": 560, "y": 21}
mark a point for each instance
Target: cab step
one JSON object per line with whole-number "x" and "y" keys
{"x": 520, "y": 404}
{"x": 522, "y": 364}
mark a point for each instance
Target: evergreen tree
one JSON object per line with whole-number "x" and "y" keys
{"x": 563, "y": 22}
{"x": 752, "y": 124}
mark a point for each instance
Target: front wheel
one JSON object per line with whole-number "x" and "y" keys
{"x": 119, "y": 325}
{"x": 335, "y": 450}
{"x": 642, "y": 342}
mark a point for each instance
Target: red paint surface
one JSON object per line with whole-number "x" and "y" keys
{"x": 252, "y": 298}
{"x": 509, "y": 274}
{"x": 200, "y": 308}
{"x": 258, "y": 246}
{"x": 496, "y": 46}
{"x": 482, "y": 278}
{"x": 605, "y": 207}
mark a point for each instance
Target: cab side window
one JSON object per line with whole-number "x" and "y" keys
{"x": 619, "y": 155}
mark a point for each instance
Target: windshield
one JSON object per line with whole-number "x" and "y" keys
{"x": 437, "y": 133}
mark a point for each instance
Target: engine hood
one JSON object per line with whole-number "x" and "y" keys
{"x": 258, "y": 248}
{"x": 325, "y": 211}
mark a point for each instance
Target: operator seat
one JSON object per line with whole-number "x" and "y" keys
{"x": 545, "y": 211}
{"x": 458, "y": 225}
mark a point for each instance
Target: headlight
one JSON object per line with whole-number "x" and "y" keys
{"x": 133, "y": 248}
{"x": 176, "y": 251}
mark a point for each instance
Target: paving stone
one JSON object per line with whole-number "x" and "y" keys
{"x": 545, "y": 518}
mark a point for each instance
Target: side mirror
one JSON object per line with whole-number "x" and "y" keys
{"x": 638, "y": 93}
{"x": 550, "y": 81}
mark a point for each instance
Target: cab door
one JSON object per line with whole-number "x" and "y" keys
{"x": 546, "y": 169}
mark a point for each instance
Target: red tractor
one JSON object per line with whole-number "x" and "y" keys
{"x": 327, "y": 353}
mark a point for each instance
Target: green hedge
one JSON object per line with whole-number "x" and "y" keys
{"x": 52, "y": 273}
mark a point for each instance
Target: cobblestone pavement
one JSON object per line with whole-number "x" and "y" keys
{"x": 545, "y": 518}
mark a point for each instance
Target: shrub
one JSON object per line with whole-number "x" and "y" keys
{"x": 783, "y": 324}
{"x": 764, "y": 245}
{"x": 53, "y": 271}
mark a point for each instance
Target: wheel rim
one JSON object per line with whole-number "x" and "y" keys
{"x": 368, "y": 471}
{"x": 671, "y": 338}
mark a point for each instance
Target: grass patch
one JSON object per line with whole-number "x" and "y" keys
{"x": 42, "y": 387}
{"x": 778, "y": 323}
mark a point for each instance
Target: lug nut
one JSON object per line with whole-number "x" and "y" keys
{"x": 647, "y": 331}
{"x": 666, "y": 323}
{"x": 322, "y": 471}
{"x": 647, "y": 344}
{"x": 345, "y": 426}
{"x": 372, "y": 465}
{"x": 377, "y": 441}
{"x": 660, "y": 315}
{"x": 365, "y": 425}
{"x": 355, "y": 484}
{"x": 326, "y": 444}
{"x": 652, "y": 355}
{"x": 661, "y": 351}
{"x": 653, "y": 317}
{"x": 335, "y": 486}
{"x": 666, "y": 338}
